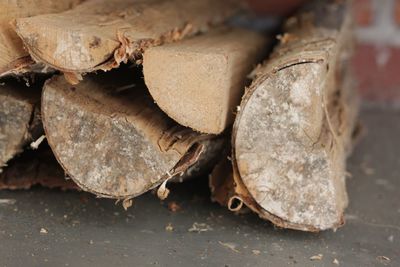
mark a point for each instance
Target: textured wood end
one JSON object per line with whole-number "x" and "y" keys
{"x": 277, "y": 150}
{"x": 14, "y": 59}
{"x": 199, "y": 82}
{"x": 102, "y": 34}
{"x": 114, "y": 143}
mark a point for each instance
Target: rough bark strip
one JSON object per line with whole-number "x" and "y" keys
{"x": 111, "y": 138}
{"x": 100, "y": 34}
{"x": 13, "y": 57}
{"x": 292, "y": 134}
{"x": 32, "y": 168}
{"x": 221, "y": 183}
{"x": 19, "y": 118}
{"x": 199, "y": 82}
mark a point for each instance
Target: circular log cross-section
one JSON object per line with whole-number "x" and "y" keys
{"x": 113, "y": 141}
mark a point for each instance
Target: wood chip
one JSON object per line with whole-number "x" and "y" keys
{"x": 35, "y": 145}
{"x": 169, "y": 228}
{"x": 316, "y": 257}
{"x": 7, "y": 201}
{"x": 383, "y": 259}
{"x": 231, "y": 246}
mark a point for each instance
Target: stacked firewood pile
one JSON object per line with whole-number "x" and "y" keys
{"x": 132, "y": 94}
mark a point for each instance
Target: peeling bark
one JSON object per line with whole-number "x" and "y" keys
{"x": 100, "y": 34}
{"x": 13, "y": 57}
{"x": 293, "y": 131}
{"x": 111, "y": 138}
{"x": 199, "y": 82}
{"x": 19, "y": 118}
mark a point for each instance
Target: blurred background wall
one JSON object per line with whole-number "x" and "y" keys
{"x": 376, "y": 62}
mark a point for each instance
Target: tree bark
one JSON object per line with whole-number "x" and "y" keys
{"x": 199, "y": 82}
{"x": 113, "y": 141}
{"x": 19, "y": 118}
{"x": 13, "y": 57}
{"x": 293, "y": 131}
{"x": 101, "y": 34}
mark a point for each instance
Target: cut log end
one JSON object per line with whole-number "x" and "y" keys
{"x": 14, "y": 59}
{"x": 114, "y": 144}
{"x": 278, "y": 151}
{"x": 292, "y": 135}
{"x": 199, "y": 82}
{"x": 102, "y": 34}
{"x": 296, "y": 179}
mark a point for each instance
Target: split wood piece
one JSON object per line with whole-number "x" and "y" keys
{"x": 35, "y": 167}
{"x": 19, "y": 118}
{"x": 100, "y": 34}
{"x": 292, "y": 133}
{"x": 13, "y": 57}
{"x": 199, "y": 82}
{"x": 113, "y": 141}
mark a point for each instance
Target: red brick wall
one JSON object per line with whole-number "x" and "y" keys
{"x": 376, "y": 62}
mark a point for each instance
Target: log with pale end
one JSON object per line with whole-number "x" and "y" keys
{"x": 100, "y": 34}
{"x": 294, "y": 129}
{"x": 199, "y": 81}
{"x": 113, "y": 141}
{"x": 14, "y": 59}
{"x": 19, "y": 118}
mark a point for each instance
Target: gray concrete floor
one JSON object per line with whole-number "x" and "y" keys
{"x": 83, "y": 231}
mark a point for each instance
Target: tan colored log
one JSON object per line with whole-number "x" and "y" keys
{"x": 13, "y": 57}
{"x": 199, "y": 82}
{"x": 111, "y": 138}
{"x": 100, "y": 34}
{"x": 19, "y": 122}
{"x": 293, "y": 131}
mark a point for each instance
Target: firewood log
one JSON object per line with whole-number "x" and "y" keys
{"x": 199, "y": 82}
{"x": 19, "y": 118}
{"x": 13, "y": 57}
{"x": 294, "y": 126}
{"x": 113, "y": 141}
{"x": 100, "y": 34}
